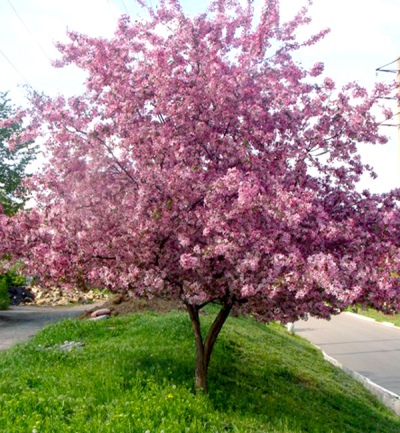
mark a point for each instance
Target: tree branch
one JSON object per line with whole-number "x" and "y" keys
{"x": 215, "y": 330}
{"x": 95, "y": 135}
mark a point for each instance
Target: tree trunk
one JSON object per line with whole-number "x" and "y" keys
{"x": 204, "y": 347}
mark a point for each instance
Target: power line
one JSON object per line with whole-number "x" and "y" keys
{"x": 15, "y": 68}
{"x": 397, "y": 72}
{"x": 27, "y": 29}
{"x": 111, "y": 8}
{"x": 380, "y": 69}
{"x": 35, "y": 40}
{"x": 125, "y": 7}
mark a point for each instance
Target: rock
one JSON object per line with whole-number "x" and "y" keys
{"x": 63, "y": 302}
{"x": 101, "y": 312}
{"x": 27, "y": 300}
{"x": 69, "y": 345}
{"x": 56, "y": 296}
{"x": 40, "y": 302}
{"x": 104, "y": 316}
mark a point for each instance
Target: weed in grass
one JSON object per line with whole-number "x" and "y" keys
{"x": 135, "y": 374}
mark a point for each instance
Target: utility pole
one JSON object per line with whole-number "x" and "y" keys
{"x": 397, "y": 97}
{"x": 398, "y": 102}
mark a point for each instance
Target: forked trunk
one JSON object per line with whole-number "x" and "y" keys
{"x": 204, "y": 347}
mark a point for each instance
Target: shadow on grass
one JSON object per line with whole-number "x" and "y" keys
{"x": 159, "y": 368}
{"x": 274, "y": 393}
{"x": 262, "y": 373}
{"x": 286, "y": 393}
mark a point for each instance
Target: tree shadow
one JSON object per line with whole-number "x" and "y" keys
{"x": 262, "y": 375}
{"x": 283, "y": 394}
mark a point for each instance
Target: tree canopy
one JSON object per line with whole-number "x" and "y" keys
{"x": 13, "y": 162}
{"x": 204, "y": 164}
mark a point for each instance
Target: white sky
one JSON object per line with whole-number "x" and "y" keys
{"x": 365, "y": 34}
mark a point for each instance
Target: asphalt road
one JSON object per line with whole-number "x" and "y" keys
{"x": 367, "y": 347}
{"x": 19, "y": 323}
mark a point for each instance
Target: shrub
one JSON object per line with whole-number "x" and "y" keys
{"x": 4, "y": 296}
{"x": 13, "y": 277}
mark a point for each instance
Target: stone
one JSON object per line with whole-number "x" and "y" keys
{"x": 101, "y": 312}
{"x": 104, "y": 316}
{"x": 69, "y": 345}
{"x": 52, "y": 296}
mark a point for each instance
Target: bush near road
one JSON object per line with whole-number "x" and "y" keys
{"x": 4, "y": 296}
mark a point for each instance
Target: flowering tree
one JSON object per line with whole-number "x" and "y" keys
{"x": 203, "y": 164}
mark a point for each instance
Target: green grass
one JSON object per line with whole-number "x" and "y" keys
{"x": 379, "y": 316}
{"x": 135, "y": 374}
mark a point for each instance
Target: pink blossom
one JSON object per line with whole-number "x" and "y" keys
{"x": 317, "y": 69}
{"x": 188, "y": 261}
{"x": 247, "y": 290}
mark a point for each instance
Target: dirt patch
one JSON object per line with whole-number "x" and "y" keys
{"x": 120, "y": 304}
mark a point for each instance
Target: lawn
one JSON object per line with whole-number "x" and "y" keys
{"x": 379, "y": 316}
{"x": 134, "y": 374}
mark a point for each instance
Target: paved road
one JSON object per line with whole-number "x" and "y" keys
{"x": 367, "y": 347}
{"x": 19, "y": 323}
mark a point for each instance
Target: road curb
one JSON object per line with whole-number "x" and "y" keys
{"x": 388, "y": 398}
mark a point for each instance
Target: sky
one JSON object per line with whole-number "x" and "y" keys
{"x": 365, "y": 35}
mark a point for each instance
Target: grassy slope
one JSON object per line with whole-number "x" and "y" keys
{"x": 134, "y": 374}
{"x": 380, "y": 317}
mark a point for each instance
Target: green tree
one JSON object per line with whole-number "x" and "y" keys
{"x": 4, "y": 295}
{"x": 13, "y": 163}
